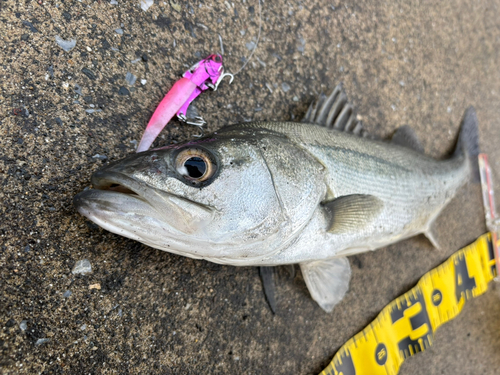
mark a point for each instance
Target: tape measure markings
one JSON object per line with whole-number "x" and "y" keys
{"x": 406, "y": 326}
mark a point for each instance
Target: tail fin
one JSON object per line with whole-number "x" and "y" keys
{"x": 468, "y": 141}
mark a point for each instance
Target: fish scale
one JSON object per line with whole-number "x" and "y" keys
{"x": 402, "y": 178}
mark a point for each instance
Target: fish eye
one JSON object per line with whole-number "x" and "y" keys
{"x": 195, "y": 167}
{"x": 195, "y": 164}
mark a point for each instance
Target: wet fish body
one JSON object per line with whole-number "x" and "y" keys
{"x": 273, "y": 193}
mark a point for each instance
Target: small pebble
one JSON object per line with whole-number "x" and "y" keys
{"x": 250, "y": 45}
{"x": 82, "y": 266}
{"x": 113, "y": 2}
{"x": 78, "y": 89}
{"x": 119, "y": 31}
{"x": 137, "y": 60}
{"x": 302, "y": 45}
{"x": 175, "y": 6}
{"x": 100, "y": 157}
{"x": 83, "y": 327}
{"x": 29, "y": 25}
{"x": 41, "y": 342}
{"x": 143, "y": 82}
{"x": 261, "y": 62}
{"x": 146, "y": 4}
{"x": 123, "y": 91}
{"x": 66, "y": 45}
{"x": 130, "y": 78}
{"x": 95, "y": 286}
{"x": 23, "y": 325}
{"x": 67, "y": 293}
{"x": 285, "y": 87}
{"x": 89, "y": 73}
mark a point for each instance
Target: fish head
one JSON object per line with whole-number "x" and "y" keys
{"x": 216, "y": 198}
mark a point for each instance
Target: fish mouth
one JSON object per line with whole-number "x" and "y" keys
{"x": 118, "y": 203}
{"x": 133, "y": 209}
{"x": 117, "y": 182}
{"x": 112, "y": 192}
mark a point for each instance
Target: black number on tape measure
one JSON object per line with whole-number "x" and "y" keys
{"x": 491, "y": 254}
{"x": 413, "y": 309}
{"x": 344, "y": 365}
{"x": 381, "y": 354}
{"x": 463, "y": 282}
{"x": 437, "y": 297}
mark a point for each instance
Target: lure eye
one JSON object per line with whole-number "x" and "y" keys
{"x": 195, "y": 164}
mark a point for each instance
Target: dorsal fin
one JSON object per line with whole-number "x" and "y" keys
{"x": 406, "y": 137}
{"x": 335, "y": 112}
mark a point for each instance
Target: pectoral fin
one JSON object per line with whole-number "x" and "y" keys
{"x": 327, "y": 280}
{"x": 352, "y": 212}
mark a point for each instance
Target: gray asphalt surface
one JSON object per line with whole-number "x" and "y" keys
{"x": 414, "y": 63}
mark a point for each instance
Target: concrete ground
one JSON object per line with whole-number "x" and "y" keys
{"x": 414, "y": 63}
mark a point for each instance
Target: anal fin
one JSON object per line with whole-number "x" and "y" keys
{"x": 432, "y": 239}
{"x": 327, "y": 280}
{"x": 431, "y": 236}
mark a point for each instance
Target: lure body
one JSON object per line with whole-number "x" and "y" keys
{"x": 203, "y": 75}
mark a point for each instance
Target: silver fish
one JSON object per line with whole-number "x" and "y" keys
{"x": 274, "y": 193}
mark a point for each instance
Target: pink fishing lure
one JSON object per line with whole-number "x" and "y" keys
{"x": 205, "y": 74}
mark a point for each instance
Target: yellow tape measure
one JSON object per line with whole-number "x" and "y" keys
{"x": 406, "y": 326}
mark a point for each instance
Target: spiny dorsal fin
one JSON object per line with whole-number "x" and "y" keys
{"x": 352, "y": 212}
{"x": 334, "y": 112}
{"x": 406, "y": 137}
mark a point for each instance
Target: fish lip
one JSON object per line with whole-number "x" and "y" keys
{"x": 104, "y": 180}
